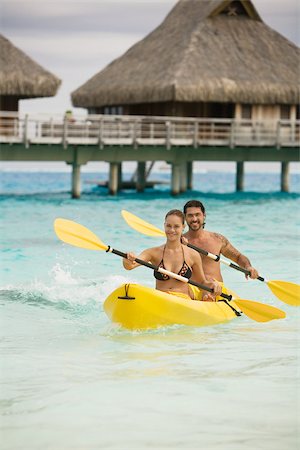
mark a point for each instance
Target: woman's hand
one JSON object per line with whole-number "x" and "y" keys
{"x": 216, "y": 287}
{"x": 211, "y": 296}
{"x": 129, "y": 262}
{"x": 131, "y": 256}
{"x": 208, "y": 297}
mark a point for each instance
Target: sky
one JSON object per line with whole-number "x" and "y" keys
{"x": 75, "y": 39}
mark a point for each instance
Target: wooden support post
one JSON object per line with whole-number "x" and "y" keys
{"x": 76, "y": 185}
{"x": 175, "y": 188}
{"x": 141, "y": 176}
{"x": 168, "y": 135}
{"x": 100, "y": 134}
{"x": 285, "y": 176}
{"x": 190, "y": 175}
{"x": 183, "y": 177}
{"x": 278, "y": 131}
{"x": 196, "y": 133}
{"x": 113, "y": 178}
{"x": 25, "y": 138}
{"x": 120, "y": 181}
{"x": 65, "y": 132}
{"x": 240, "y": 175}
{"x": 232, "y": 137}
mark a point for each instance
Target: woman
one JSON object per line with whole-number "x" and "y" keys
{"x": 177, "y": 258}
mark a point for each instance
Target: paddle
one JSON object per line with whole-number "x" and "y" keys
{"x": 284, "y": 290}
{"x": 80, "y": 236}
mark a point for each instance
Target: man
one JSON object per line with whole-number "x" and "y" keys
{"x": 212, "y": 242}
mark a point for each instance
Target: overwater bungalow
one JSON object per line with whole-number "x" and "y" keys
{"x": 22, "y": 78}
{"x": 212, "y": 83}
{"x": 209, "y": 58}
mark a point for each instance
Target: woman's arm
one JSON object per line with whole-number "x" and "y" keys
{"x": 130, "y": 263}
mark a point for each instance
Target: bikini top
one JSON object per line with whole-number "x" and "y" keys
{"x": 185, "y": 270}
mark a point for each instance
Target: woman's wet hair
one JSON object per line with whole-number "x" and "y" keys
{"x": 176, "y": 212}
{"x": 193, "y": 204}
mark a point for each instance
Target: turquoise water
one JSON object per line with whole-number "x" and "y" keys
{"x": 70, "y": 379}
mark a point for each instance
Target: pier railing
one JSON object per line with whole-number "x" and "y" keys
{"x": 138, "y": 131}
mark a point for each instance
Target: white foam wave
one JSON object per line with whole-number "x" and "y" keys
{"x": 62, "y": 286}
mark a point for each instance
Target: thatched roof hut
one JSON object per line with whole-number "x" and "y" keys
{"x": 21, "y": 77}
{"x": 204, "y": 51}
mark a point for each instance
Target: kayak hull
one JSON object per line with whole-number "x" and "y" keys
{"x": 137, "y": 307}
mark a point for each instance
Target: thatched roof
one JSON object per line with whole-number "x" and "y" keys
{"x": 202, "y": 52}
{"x": 21, "y": 76}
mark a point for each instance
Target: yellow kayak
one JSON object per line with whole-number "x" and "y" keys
{"x": 139, "y": 307}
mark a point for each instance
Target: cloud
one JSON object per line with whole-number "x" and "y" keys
{"x": 63, "y": 49}
{"x": 78, "y": 16}
{"x": 284, "y": 17}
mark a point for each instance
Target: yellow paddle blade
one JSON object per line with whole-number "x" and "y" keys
{"x": 75, "y": 234}
{"x": 286, "y": 291}
{"x": 259, "y": 311}
{"x": 140, "y": 225}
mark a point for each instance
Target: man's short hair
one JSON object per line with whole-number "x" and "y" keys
{"x": 193, "y": 204}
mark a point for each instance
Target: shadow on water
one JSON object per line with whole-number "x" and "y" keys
{"x": 55, "y": 187}
{"x": 64, "y": 197}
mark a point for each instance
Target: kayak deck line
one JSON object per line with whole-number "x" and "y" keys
{"x": 126, "y": 296}
{"x": 237, "y": 313}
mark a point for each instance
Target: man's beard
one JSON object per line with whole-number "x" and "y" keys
{"x": 197, "y": 226}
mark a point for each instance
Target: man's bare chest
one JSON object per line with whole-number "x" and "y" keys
{"x": 209, "y": 244}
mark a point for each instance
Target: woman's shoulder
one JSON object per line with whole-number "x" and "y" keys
{"x": 154, "y": 250}
{"x": 157, "y": 250}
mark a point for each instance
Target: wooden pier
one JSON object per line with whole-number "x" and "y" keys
{"x": 176, "y": 140}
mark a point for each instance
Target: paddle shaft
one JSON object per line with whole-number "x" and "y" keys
{"x": 167, "y": 272}
{"x": 217, "y": 258}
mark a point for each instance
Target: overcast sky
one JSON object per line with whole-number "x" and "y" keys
{"x": 76, "y": 39}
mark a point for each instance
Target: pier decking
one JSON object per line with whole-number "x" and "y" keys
{"x": 176, "y": 140}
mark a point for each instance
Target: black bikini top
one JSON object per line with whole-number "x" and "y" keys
{"x": 185, "y": 270}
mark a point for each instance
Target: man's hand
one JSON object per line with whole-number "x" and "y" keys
{"x": 253, "y": 273}
{"x": 184, "y": 240}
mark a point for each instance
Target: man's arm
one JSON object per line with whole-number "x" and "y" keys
{"x": 230, "y": 252}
